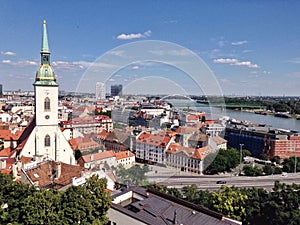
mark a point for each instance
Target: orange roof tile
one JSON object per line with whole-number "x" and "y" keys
{"x": 196, "y": 153}
{"x": 83, "y": 143}
{"x": 123, "y": 155}
{"x": 186, "y": 130}
{"x": 103, "y": 134}
{"x": 200, "y": 153}
{"x": 6, "y": 171}
{"x": 219, "y": 140}
{"x": 25, "y": 159}
{"x": 98, "y": 156}
{"x": 43, "y": 173}
{"x": 9, "y": 162}
{"x": 7, "y": 152}
{"x": 7, "y": 135}
{"x": 154, "y": 139}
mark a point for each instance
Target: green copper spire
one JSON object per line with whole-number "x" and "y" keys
{"x": 45, "y": 75}
{"x": 45, "y": 46}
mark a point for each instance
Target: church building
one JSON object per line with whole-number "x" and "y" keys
{"x": 43, "y": 138}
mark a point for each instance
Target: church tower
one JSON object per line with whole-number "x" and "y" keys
{"x": 46, "y": 88}
{"x": 46, "y": 139}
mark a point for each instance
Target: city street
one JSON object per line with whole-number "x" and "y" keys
{"x": 172, "y": 178}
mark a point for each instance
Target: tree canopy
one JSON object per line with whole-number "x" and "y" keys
{"x": 22, "y": 204}
{"x": 224, "y": 161}
{"x": 252, "y": 206}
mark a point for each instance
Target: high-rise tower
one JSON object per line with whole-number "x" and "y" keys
{"x": 46, "y": 139}
{"x": 100, "y": 91}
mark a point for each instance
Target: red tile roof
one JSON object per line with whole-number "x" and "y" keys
{"x": 186, "y": 130}
{"x": 6, "y": 171}
{"x": 154, "y": 139}
{"x": 219, "y": 140}
{"x": 7, "y": 152}
{"x": 103, "y": 134}
{"x": 123, "y": 155}
{"x": 7, "y": 135}
{"x": 98, "y": 156}
{"x": 43, "y": 173}
{"x": 196, "y": 153}
{"x": 25, "y": 159}
{"x": 83, "y": 143}
{"x": 9, "y": 162}
{"x": 200, "y": 153}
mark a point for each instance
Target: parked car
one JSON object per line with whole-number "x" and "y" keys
{"x": 221, "y": 182}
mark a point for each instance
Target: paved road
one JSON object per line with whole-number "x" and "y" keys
{"x": 209, "y": 182}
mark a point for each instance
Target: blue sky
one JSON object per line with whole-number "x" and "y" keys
{"x": 252, "y": 47}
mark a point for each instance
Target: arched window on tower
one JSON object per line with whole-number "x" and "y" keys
{"x": 47, "y": 140}
{"x": 47, "y": 104}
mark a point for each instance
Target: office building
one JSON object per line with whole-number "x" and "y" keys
{"x": 116, "y": 90}
{"x": 100, "y": 91}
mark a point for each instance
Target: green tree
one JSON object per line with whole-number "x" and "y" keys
{"x": 12, "y": 195}
{"x": 174, "y": 192}
{"x": 230, "y": 201}
{"x": 252, "y": 171}
{"x": 289, "y": 164}
{"x": 191, "y": 193}
{"x": 99, "y": 199}
{"x": 268, "y": 169}
{"x": 135, "y": 175}
{"x": 87, "y": 204}
{"x": 224, "y": 161}
{"x": 276, "y": 159}
{"x": 264, "y": 156}
{"x": 42, "y": 208}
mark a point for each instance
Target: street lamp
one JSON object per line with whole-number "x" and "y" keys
{"x": 295, "y": 165}
{"x": 241, "y": 149}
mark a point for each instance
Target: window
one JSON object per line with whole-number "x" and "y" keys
{"x": 47, "y": 104}
{"x": 47, "y": 140}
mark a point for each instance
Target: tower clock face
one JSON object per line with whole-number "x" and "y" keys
{"x": 47, "y": 117}
{"x": 45, "y": 58}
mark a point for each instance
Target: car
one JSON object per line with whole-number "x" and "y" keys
{"x": 221, "y": 182}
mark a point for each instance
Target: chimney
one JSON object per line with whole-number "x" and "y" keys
{"x": 58, "y": 170}
{"x": 92, "y": 157}
{"x": 128, "y": 153}
{"x": 15, "y": 170}
{"x": 2, "y": 164}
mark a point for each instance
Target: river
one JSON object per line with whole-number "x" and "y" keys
{"x": 215, "y": 113}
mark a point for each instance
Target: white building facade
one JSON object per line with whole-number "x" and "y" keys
{"x": 100, "y": 91}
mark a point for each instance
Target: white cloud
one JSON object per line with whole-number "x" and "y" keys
{"x": 117, "y": 53}
{"x": 222, "y": 43}
{"x": 148, "y": 33}
{"x": 239, "y": 42}
{"x": 181, "y": 52}
{"x": 20, "y": 63}
{"x": 266, "y": 72}
{"x": 8, "y": 53}
{"x": 134, "y": 36}
{"x": 79, "y": 65}
{"x": 171, "y": 21}
{"x": 247, "y": 51}
{"x": 236, "y": 62}
{"x": 294, "y": 60}
{"x": 6, "y": 61}
{"x": 27, "y": 63}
